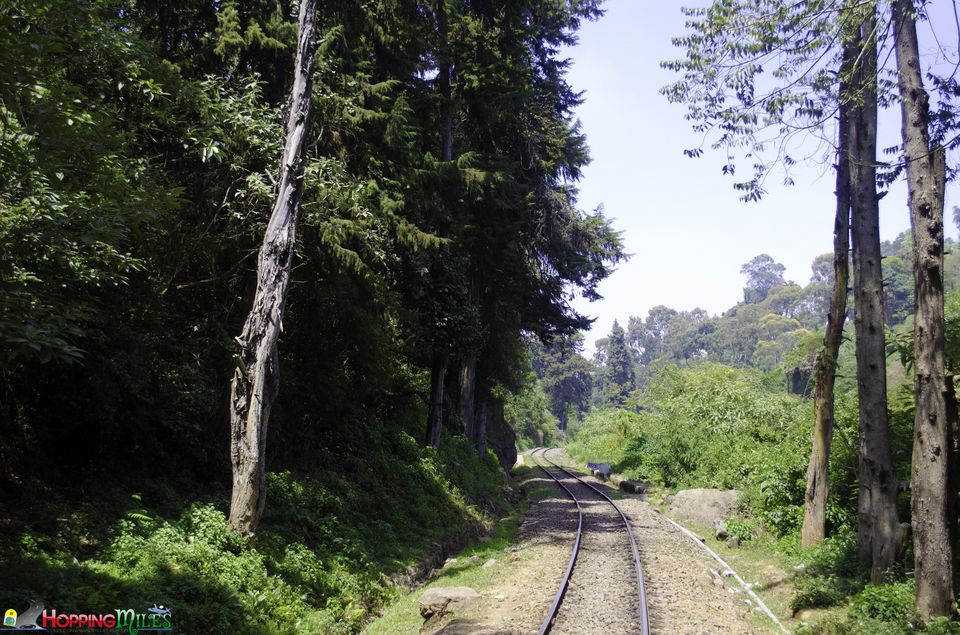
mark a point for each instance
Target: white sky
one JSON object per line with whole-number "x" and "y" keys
{"x": 682, "y": 220}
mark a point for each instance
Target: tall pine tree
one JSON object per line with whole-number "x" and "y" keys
{"x": 618, "y": 371}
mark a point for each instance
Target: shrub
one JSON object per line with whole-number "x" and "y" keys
{"x": 832, "y": 572}
{"x": 886, "y": 602}
{"x": 710, "y": 425}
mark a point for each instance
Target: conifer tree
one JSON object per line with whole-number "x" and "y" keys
{"x": 618, "y": 371}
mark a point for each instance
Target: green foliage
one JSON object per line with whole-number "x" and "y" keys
{"x": 710, "y": 426}
{"x": 778, "y": 326}
{"x": 618, "y": 369}
{"x": 763, "y": 274}
{"x": 566, "y": 376}
{"x": 606, "y": 435}
{"x": 751, "y": 68}
{"x": 138, "y": 151}
{"x": 317, "y": 564}
{"x": 831, "y": 574}
{"x": 745, "y": 530}
{"x": 887, "y": 609}
{"x": 527, "y": 413}
{"x": 886, "y": 602}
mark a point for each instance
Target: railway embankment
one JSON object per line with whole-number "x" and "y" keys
{"x": 515, "y": 573}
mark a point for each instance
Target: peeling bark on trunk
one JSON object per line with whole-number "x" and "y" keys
{"x": 815, "y": 509}
{"x": 877, "y": 526}
{"x": 468, "y": 393}
{"x": 438, "y": 373}
{"x": 256, "y": 379}
{"x": 932, "y": 548}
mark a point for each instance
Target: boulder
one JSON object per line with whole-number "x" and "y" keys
{"x": 704, "y": 506}
{"x": 442, "y": 600}
{"x": 720, "y": 529}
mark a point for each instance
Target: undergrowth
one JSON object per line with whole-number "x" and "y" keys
{"x": 709, "y": 425}
{"x": 318, "y": 564}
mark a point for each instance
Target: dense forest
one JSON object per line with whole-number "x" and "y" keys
{"x": 284, "y": 287}
{"x": 429, "y": 224}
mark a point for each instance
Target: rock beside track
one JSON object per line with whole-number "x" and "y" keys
{"x": 439, "y": 601}
{"x": 705, "y": 506}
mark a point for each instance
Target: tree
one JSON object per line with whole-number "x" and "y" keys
{"x": 814, "y": 528}
{"x": 619, "y": 369}
{"x": 733, "y": 45}
{"x": 763, "y": 274}
{"x": 932, "y": 447}
{"x": 646, "y": 337}
{"x": 256, "y": 380}
{"x": 818, "y": 292}
{"x": 566, "y": 376}
{"x": 877, "y": 524}
{"x": 503, "y": 203}
{"x": 440, "y": 361}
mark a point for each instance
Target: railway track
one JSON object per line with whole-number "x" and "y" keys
{"x": 557, "y": 607}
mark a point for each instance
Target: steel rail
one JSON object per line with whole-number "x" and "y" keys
{"x": 548, "y": 621}
{"x": 641, "y": 589}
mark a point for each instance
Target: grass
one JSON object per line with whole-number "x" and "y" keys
{"x": 319, "y": 562}
{"x": 404, "y": 615}
{"x": 819, "y": 591}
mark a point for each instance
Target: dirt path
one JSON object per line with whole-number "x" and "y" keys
{"x": 683, "y": 595}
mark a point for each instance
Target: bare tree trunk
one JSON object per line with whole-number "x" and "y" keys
{"x": 815, "y": 509}
{"x": 932, "y": 548}
{"x": 483, "y": 412}
{"x": 953, "y": 469}
{"x": 443, "y": 77}
{"x": 877, "y": 525}
{"x": 256, "y": 379}
{"x": 468, "y": 394}
{"x": 438, "y": 370}
{"x": 438, "y": 373}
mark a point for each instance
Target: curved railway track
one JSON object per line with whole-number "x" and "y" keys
{"x": 564, "y": 583}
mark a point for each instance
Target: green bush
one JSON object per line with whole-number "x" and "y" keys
{"x": 886, "y": 602}
{"x": 820, "y": 591}
{"x": 606, "y": 436}
{"x": 886, "y": 609}
{"x": 318, "y": 563}
{"x": 710, "y": 425}
{"x": 742, "y": 529}
{"x": 831, "y": 572}
{"x": 202, "y": 569}
{"x": 528, "y": 414}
